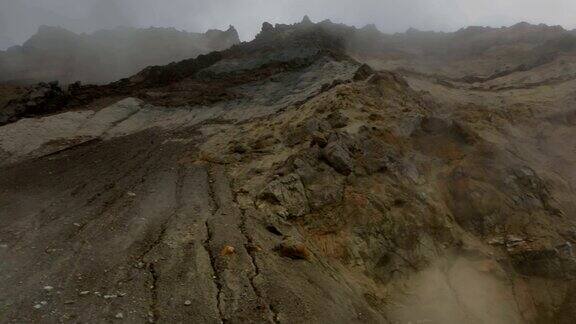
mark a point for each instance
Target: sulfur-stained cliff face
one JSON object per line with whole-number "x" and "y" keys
{"x": 283, "y": 181}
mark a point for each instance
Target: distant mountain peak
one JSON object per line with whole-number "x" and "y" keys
{"x": 306, "y": 20}
{"x": 55, "y": 53}
{"x": 267, "y": 27}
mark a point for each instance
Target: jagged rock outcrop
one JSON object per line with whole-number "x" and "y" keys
{"x": 40, "y": 99}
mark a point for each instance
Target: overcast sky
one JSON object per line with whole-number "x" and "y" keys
{"x": 20, "y": 18}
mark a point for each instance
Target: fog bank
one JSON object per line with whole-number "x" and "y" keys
{"x": 19, "y": 19}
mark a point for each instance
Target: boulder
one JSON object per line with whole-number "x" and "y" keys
{"x": 288, "y": 192}
{"x": 337, "y": 155}
{"x": 337, "y": 120}
{"x": 363, "y": 72}
{"x": 293, "y": 250}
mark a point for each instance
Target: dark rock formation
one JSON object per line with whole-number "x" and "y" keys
{"x": 40, "y": 99}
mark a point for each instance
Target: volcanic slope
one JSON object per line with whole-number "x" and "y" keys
{"x": 282, "y": 181}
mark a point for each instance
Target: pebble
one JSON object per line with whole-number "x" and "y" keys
{"x": 48, "y": 288}
{"x": 84, "y": 293}
{"x": 110, "y": 296}
{"x": 187, "y": 303}
{"x": 227, "y": 250}
{"x": 119, "y": 315}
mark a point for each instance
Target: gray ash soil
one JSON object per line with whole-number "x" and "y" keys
{"x": 124, "y": 228}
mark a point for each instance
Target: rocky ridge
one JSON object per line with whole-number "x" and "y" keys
{"x": 56, "y": 54}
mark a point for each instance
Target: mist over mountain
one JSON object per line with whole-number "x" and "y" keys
{"x": 55, "y": 53}
{"x": 19, "y": 20}
{"x": 23, "y": 17}
{"x": 6, "y": 42}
